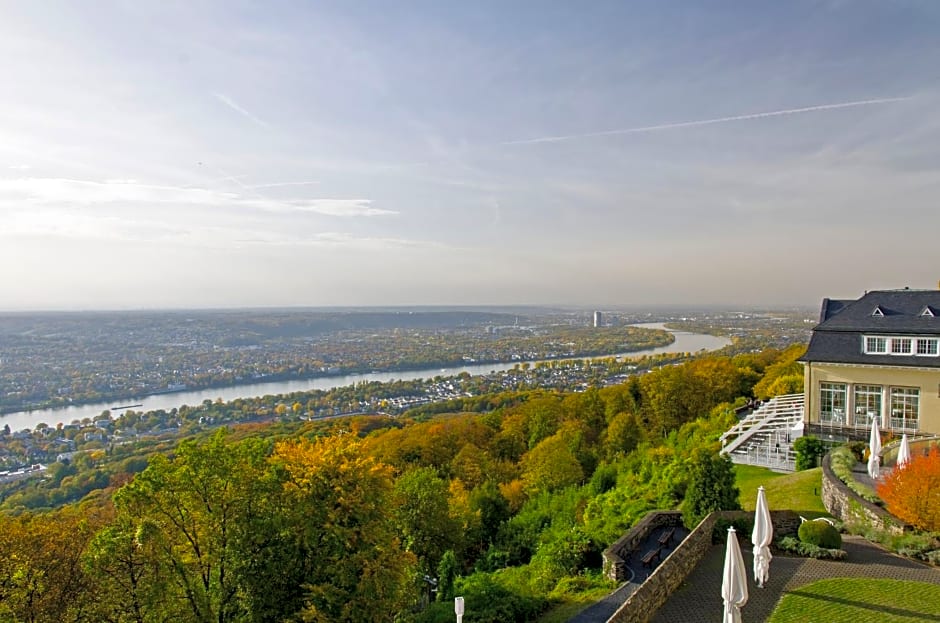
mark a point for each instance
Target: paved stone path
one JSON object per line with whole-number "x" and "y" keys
{"x": 605, "y": 608}
{"x": 699, "y": 599}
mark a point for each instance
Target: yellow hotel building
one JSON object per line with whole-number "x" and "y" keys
{"x": 875, "y": 357}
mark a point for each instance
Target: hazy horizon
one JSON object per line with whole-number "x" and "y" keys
{"x": 166, "y": 156}
{"x": 482, "y": 307}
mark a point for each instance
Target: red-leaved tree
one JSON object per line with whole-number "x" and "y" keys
{"x": 912, "y": 493}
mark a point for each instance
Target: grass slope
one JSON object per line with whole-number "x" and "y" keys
{"x": 797, "y": 492}
{"x": 845, "y": 600}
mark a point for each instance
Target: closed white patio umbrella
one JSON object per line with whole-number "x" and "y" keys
{"x": 904, "y": 452}
{"x": 761, "y": 536}
{"x": 874, "y": 447}
{"x": 733, "y": 581}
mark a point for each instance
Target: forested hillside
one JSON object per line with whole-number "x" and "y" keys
{"x": 366, "y": 519}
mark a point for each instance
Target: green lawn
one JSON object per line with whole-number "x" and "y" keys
{"x": 798, "y": 491}
{"x": 851, "y": 600}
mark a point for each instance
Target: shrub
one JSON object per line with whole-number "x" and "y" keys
{"x": 808, "y": 449}
{"x": 842, "y": 460}
{"x": 913, "y": 544}
{"x": 604, "y": 479}
{"x": 795, "y": 546}
{"x": 820, "y": 534}
{"x": 489, "y": 601}
{"x": 920, "y": 545}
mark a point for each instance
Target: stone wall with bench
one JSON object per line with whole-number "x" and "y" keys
{"x": 849, "y": 507}
{"x": 672, "y": 572}
{"x": 615, "y": 556}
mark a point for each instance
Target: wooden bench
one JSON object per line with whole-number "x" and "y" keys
{"x": 666, "y": 536}
{"x": 648, "y": 557}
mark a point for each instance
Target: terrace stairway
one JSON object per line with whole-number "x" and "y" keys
{"x": 765, "y": 436}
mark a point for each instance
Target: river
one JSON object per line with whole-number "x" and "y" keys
{"x": 685, "y": 343}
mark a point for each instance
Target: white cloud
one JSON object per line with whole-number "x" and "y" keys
{"x": 341, "y": 207}
{"x": 65, "y": 192}
{"x": 278, "y": 184}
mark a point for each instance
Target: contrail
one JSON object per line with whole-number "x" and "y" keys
{"x": 692, "y": 124}
{"x": 228, "y": 101}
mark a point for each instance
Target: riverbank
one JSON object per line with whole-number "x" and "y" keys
{"x": 445, "y": 366}
{"x": 682, "y": 342}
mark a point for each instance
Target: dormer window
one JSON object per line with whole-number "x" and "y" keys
{"x": 904, "y": 346}
{"x": 927, "y": 312}
{"x": 874, "y": 345}
{"x": 900, "y": 346}
{"x": 927, "y": 346}
{"x": 878, "y": 312}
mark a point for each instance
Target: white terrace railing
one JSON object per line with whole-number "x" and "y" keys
{"x": 765, "y": 436}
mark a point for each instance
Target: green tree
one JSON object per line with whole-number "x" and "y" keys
{"x": 492, "y": 507}
{"x": 194, "y": 512}
{"x": 623, "y": 435}
{"x": 711, "y": 487}
{"x": 446, "y": 575}
{"x": 422, "y": 515}
{"x": 122, "y": 562}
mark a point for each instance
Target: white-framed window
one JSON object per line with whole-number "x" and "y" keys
{"x": 900, "y": 346}
{"x": 905, "y": 407}
{"x": 903, "y": 346}
{"x": 867, "y": 404}
{"x": 832, "y": 403}
{"x": 875, "y": 344}
{"x": 927, "y": 346}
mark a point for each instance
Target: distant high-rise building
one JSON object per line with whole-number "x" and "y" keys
{"x": 598, "y": 319}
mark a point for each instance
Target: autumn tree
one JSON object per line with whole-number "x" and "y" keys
{"x": 674, "y": 395}
{"x": 42, "y": 578}
{"x": 551, "y": 465}
{"x": 784, "y": 376}
{"x": 338, "y": 507}
{"x": 912, "y": 492}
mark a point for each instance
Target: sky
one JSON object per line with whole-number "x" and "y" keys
{"x": 287, "y": 153}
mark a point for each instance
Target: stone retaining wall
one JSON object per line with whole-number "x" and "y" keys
{"x": 615, "y": 565}
{"x": 849, "y": 507}
{"x": 673, "y": 571}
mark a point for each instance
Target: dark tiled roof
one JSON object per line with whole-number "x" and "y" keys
{"x": 838, "y": 336}
{"x": 831, "y": 307}
{"x": 901, "y": 308}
